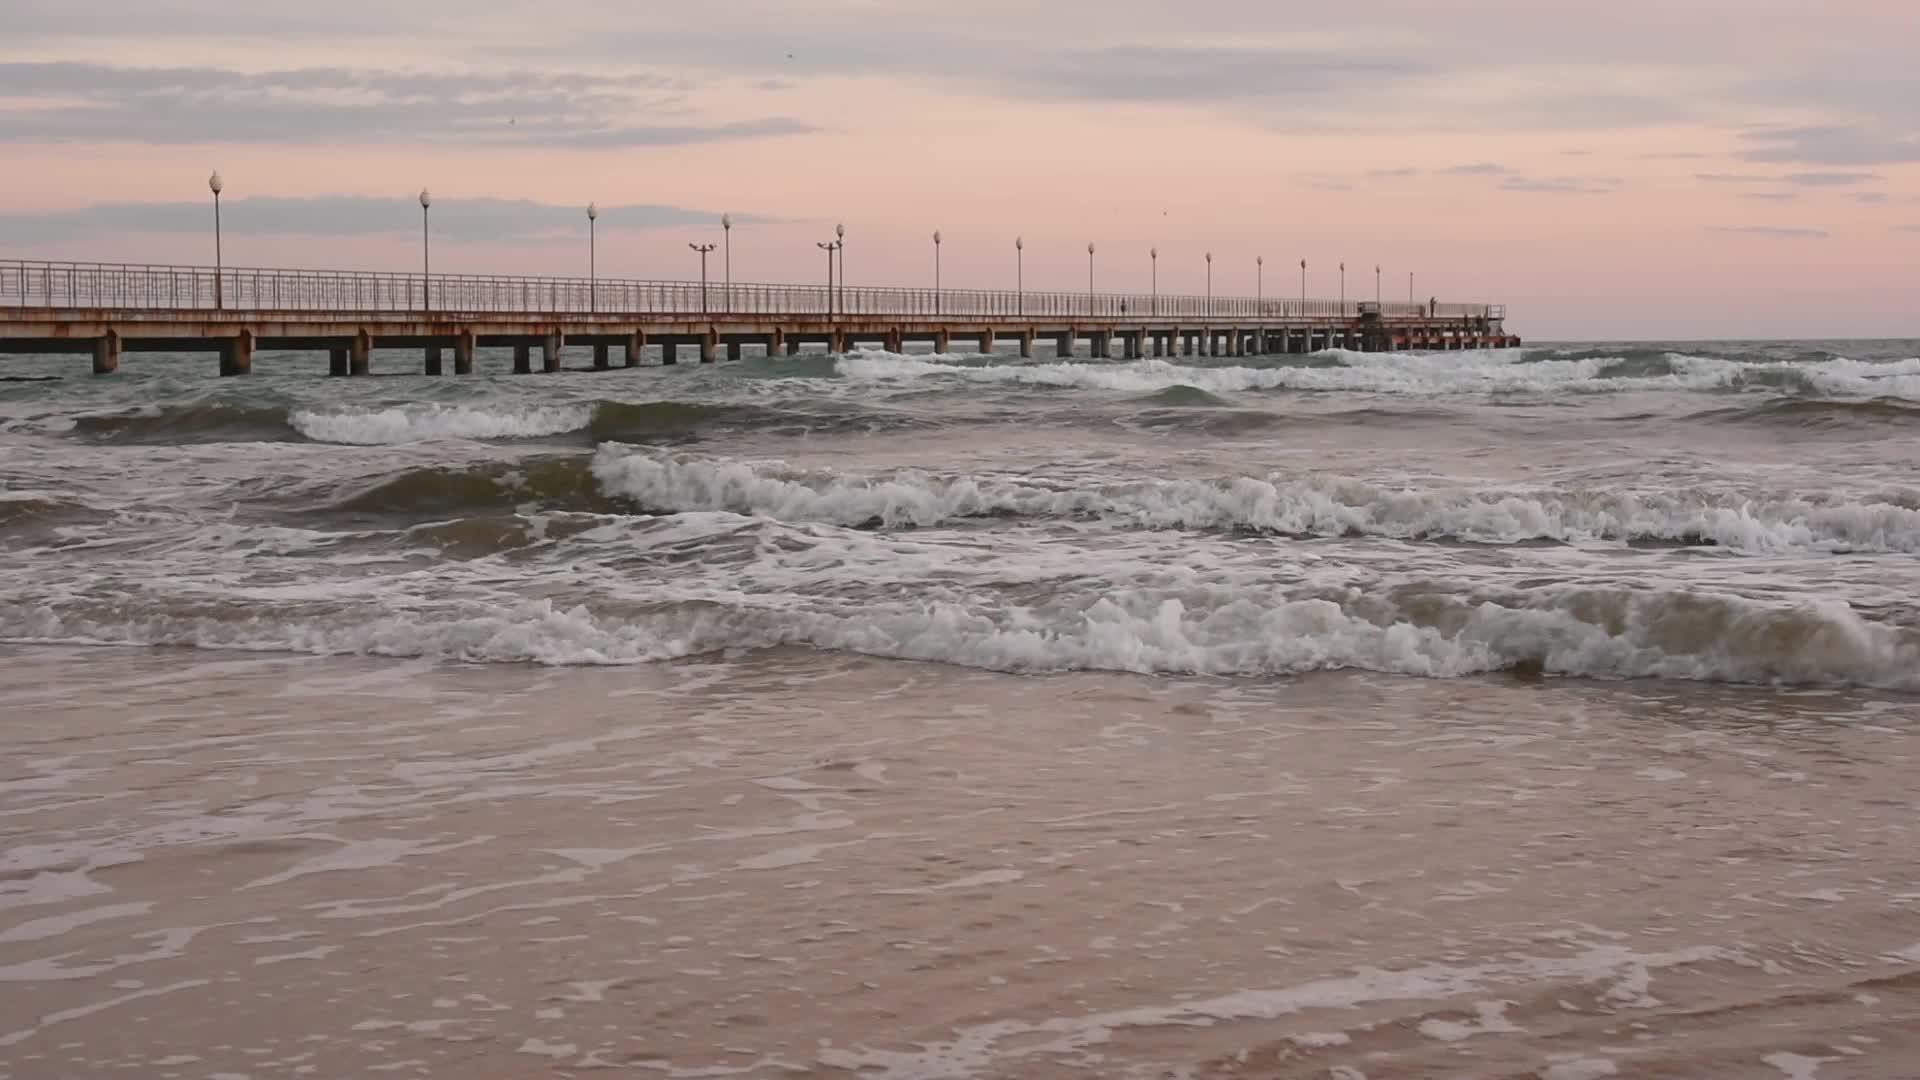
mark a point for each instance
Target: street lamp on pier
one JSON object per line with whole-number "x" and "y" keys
{"x": 1259, "y": 282}
{"x": 1020, "y": 274}
{"x": 726, "y": 257}
{"x": 1154, "y": 254}
{"x": 1376, "y": 283}
{"x": 593, "y": 261}
{"x": 1209, "y": 307}
{"x": 703, "y": 249}
{"x": 831, "y": 246}
{"x": 840, "y": 245}
{"x": 1303, "y": 286}
{"x": 936, "y": 271}
{"x": 1343, "y": 288}
{"x": 214, "y": 184}
{"x": 1089, "y": 277}
{"x": 426, "y": 253}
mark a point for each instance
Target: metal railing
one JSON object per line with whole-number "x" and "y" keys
{"x": 129, "y": 287}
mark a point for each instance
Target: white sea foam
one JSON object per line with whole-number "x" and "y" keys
{"x": 1316, "y": 506}
{"x": 422, "y": 423}
{"x": 1225, "y": 629}
{"x": 1417, "y": 374}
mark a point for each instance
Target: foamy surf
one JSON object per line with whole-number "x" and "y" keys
{"x": 1437, "y": 632}
{"x": 1327, "y": 506}
{"x": 426, "y": 423}
{"x": 1415, "y": 374}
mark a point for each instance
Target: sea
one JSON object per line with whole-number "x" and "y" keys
{"x": 1543, "y": 713}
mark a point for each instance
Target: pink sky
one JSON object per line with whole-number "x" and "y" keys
{"x": 1618, "y": 170}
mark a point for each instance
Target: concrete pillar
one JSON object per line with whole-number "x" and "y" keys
{"x": 986, "y": 342}
{"x": 776, "y": 341}
{"x": 1026, "y": 344}
{"x": 733, "y": 350}
{"x": 106, "y": 354}
{"x": 1239, "y": 343}
{"x": 631, "y": 349}
{"x": 896, "y": 342}
{"x": 1159, "y": 345}
{"x": 550, "y": 352}
{"x": 841, "y": 343}
{"x": 600, "y": 361}
{"x": 1063, "y": 346}
{"x": 523, "y": 360}
{"x": 669, "y": 353}
{"x": 463, "y": 353}
{"x": 793, "y": 346}
{"x": 360, "y": 354}
{"x": 709, "y": 347}
{"x": 1186, "y": 342}
{"x": 337, "y": 361}
{"x": 942, "y": 342}
{"x": 434, "y": 366}
{"x": 236, "y": 354}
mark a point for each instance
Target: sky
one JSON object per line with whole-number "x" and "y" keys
{"x": 1651, "y": 169}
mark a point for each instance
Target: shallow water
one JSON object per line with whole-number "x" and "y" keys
{"x": 1548, "y": 713}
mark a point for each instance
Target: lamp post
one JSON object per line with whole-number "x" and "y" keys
{"x": 1376, "y": 283}
{"x": 426, "y": 253}
{"x": 1259, "y": 282}
{"x": 1020, "y": 274}
{"x": 936, "y": 271}
{"x": 726, "y": 257}
{"x": 593, "y": 262}
{"x": 840, "y": 245}
{"x": 1089, "y": 277}
{"x": 1209, "y": 307}
{"x": 1343, "y": 288}
{"x": 1303, "y": 286}
{"x": 214, "y": 184}
{"x": 1154, "y": 254}
{"x": 703, "y": 249}
{"x": 831, "y": 246}
{"x": 1409, "y": 286}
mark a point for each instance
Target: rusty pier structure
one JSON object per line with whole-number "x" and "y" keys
{"x": 105, "y": 311}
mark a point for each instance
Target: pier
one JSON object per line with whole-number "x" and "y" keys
{"x": 107, "y": 310}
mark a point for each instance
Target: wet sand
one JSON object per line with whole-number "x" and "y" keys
{"x": 807, "y": 864}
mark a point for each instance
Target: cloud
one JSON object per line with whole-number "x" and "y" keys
{"x": 1733, "y": 178}
{"x": 1870, "y": 198}
{"x": 1393, "y": 174}
{"x": 1915, "y": 228}
{"x": 1577, "y": 185}
{"x": 1777, "y": 231}
{"x": 1478, "y": 168}
{"x": 82, "y": 102}
{"x": 1831, "y": 144}
{"x": 1771, "y": 196}
{"x": 491, "y": 220}
{"x": 1828, "y": 179}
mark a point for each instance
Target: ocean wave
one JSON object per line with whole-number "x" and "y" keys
{"x": 1435, "y": 631}
{"x": 423, "y": 423}
{"x": 1327, "y": 507}
{"x": 196, "y": 422}
{"x": 1423, "y": 374}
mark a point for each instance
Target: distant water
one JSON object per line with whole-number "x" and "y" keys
{"x": 1493, "y": 713}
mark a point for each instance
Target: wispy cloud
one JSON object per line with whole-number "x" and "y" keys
{"x": 491, "y": 220}
{"x": 1572, "y": 185}
{"x": 1829, "y": 179}
{"x": 1771, "y": 196}
{"x": 1733, "y": 178}
{"x": 1832, "y": 144}
{"x": 84, "y": 102}
{"x": 1478, "y": 168}
{"x": 1782, "y": 232}
{"x": 1871, "y": 198}
{"x": 1914, "y": 228}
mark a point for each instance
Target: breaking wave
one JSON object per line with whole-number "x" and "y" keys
{"x": 1328, "y": 507}
{"x": 1431, "y": 631}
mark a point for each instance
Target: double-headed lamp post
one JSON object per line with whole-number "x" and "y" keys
{"x": 214, "y": 184}
{"x": 426, "y": 253}
{"x": 1154, "y": 254}
{"x": 726, "y": 257}
{"x": 1259, "y": 282}
{"x": 840, "y": 245}
{"x": 1020, "y": 274}
{"x": 936, "y": 271}
{"x": 1089, "y": 277}
{"x": 593, "y": 260}
{"x": 703, "y": 249}
{"x": 1209, "y": 308}
{"x": 831, "y": 246}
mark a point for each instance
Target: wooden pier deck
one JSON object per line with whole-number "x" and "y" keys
{"x": 107, "y": 310}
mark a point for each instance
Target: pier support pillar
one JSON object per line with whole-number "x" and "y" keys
{"x": 636, "y": 343}
{"x": 733, "y": 350}
{"x": 550, "y": 353}
{"x": 986, "y": 342}
{"x": 106, "y": 354}
{"x": 842, "y": 343}
{"x": 434, "y": 364}
{"x": 236, "y": 354}
{"x": 669, "y": 353}
{"x": 523, "y": 360}
{"x": 1103, "y": 345}
{"x": 1026, "y": 344}
{"x": 793, "y": 346}
{"x": 896, "y": 342}
{"x": 337, "y": 361}
{"x": 1063, "y": 345}
{"x": 942, "y": 342}
{"x": 776, "y": 342}
{"x": 600, "y": 359}
{"x": 709, "y": 347}
{"x": 463, "y": 353}
{"x": 1159, "y": 345}
{"x": 360, "y": 354}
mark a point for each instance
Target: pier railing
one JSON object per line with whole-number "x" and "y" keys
{"x": 130, "y": 287}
